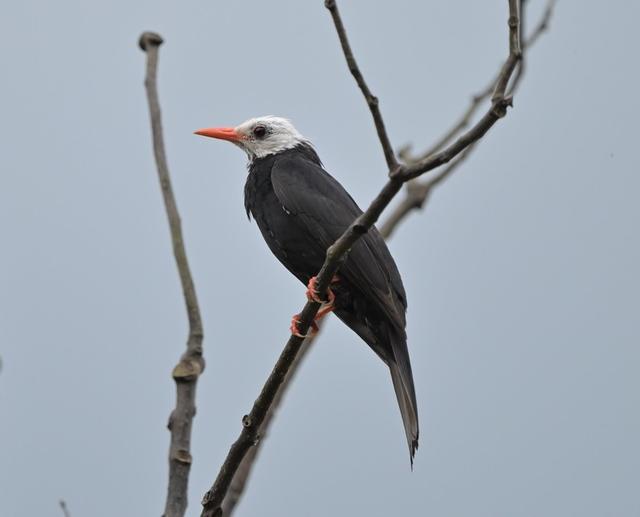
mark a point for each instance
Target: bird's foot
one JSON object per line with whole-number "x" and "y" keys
{"x": 314, "y": 296}
{"x": 295, "y": 321}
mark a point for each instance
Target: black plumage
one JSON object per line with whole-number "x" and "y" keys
{"x": 301, "y": 210}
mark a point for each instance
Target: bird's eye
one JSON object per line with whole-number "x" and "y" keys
{"x": 259, "y": 131}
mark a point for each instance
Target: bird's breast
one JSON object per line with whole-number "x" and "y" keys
{"x": 286, "y": 237}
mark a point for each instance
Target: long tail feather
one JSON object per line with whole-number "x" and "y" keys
{"x": 406, "y": 401}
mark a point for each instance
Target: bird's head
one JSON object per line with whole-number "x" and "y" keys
{"x": 260, "y": 136}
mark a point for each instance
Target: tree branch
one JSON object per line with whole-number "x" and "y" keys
{"x": 336, "y": 254}
{"x": 191, "y": 363}
{"x": 483, "y": 94}
{"x": 543, "y": 24}
{"x": 417, "y": 193}
{"x": 372, "y": 100}
{"x": 239, "y": 481}
{"x": 65, "y": 509}
{"x": 499, "y": 104}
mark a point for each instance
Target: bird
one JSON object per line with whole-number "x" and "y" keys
{"x": 301, "y": 210}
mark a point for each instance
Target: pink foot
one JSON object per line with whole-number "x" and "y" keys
{"x": 295, "y": 321}
{"x": 314, "y": 296}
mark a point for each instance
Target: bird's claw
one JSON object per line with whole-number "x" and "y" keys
{"x": 314, "y": 296}
{"x": 295, "y": 321}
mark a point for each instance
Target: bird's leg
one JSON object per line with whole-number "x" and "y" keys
{"x": 294, "y": 327}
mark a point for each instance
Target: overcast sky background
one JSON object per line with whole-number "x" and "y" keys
{"x": 522, "y": 273}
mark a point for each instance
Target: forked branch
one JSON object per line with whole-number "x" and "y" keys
{"x": 418, "y": 192}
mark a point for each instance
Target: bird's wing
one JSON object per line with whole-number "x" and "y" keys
{"x": 325, "y": 209}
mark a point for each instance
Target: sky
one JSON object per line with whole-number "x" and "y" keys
{"x": 521, "y": 273}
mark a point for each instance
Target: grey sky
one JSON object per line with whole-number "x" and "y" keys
{"x": 522, "y": 274}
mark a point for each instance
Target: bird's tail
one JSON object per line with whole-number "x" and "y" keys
{"x": 405, "y": 392}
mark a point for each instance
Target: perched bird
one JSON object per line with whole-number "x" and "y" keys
{"x": 301, "y": 210}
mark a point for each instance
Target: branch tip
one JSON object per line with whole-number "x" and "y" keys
{"x": 149, "y": 39}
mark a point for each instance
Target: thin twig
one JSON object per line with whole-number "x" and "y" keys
{"x": 417, "y": 193}
{"x": 372, "y": 100}
{"x": 521, "y": 67}
{"x": 499, "y": 104}
{"x": 482, "y": 95}
{"x": 543, "y": 24}
{"x": 191, "y": 363}
{"x": 336, "y": 254}
{"x": 65, "y": 509}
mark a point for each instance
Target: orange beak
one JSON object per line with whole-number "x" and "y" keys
{"x": 223, "y": 133}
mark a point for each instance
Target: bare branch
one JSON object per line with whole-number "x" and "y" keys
{"x": 336, "y": 254}
{"x": 371, "y": 99}
{"x": 65, "y": 509}
{"x": 191, "y": 363}
{"x": 239, "y": 481}
{"x": 417, "y": 193}
{"x": 499, "y": 104}
{"x": 483, "y": 94}
{"x": 543, "y": 24}
{"x": 252, "y": 423}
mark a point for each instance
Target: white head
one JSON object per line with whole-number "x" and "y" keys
{"x": 259, "y": 136}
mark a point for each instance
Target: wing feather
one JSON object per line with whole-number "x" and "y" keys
{"x": 325, "y": 209}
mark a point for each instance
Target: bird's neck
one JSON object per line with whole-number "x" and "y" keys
{"x": 305, "y": 149}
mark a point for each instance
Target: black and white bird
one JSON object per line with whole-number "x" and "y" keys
{"x": 301, "y": 210}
